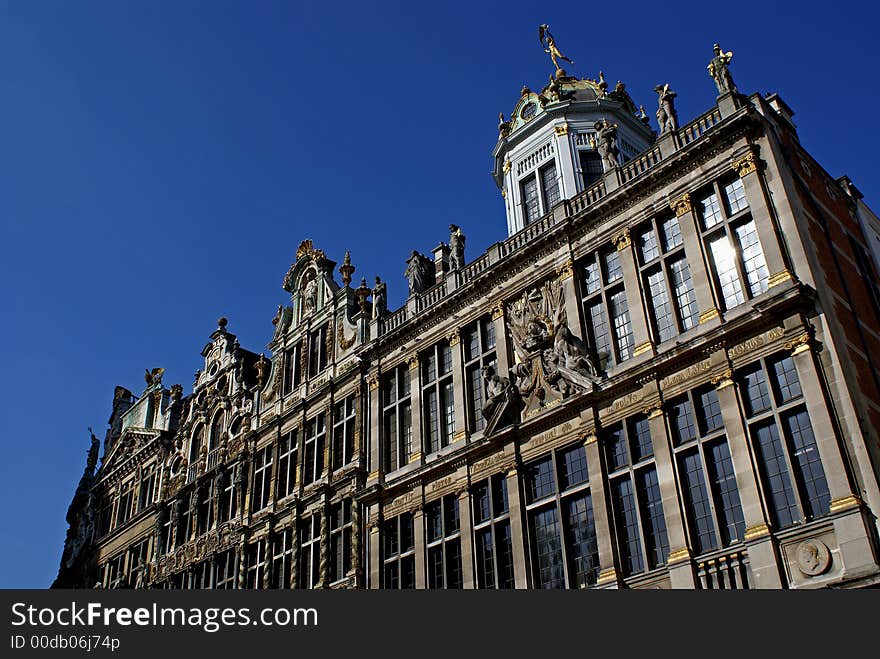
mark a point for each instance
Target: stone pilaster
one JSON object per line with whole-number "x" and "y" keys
{"x": 693, "y": 250}
{"x": 468, "y": 580}
{"x": 458, "y": 385}
{"x": 681, "y": 572}
{"x": 517, "y": 528}
{"x": 375, "y": 455}
{"x": 295, "y": 553}
{"x": 415, "y": 406}
{"x": 762, "y": 552}
{"x": 501, "y": 343}
{"x": 374, "y": 557}
{"x": 602, "y": 516}
{"x": 418, "y": 517}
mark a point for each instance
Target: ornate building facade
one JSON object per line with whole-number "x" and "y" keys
{"x": 662, "y": 377}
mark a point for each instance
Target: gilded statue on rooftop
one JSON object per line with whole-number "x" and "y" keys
{"x": 550, "y": 47}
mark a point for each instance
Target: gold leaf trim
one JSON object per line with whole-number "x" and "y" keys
{"x": 706, "y": 316}
{"x": 682, "y": 205}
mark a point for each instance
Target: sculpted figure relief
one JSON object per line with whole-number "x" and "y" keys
{"x": 310, "y": 295}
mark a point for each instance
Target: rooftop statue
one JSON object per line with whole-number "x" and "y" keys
{"x": 667, "y": 117}
{"x": 608, "y": 150}
{"x": 380, "y": 299}
{"x": 456, "y": 247}
{"x": 718, "y": 69}
{"x": 550, "y": 47}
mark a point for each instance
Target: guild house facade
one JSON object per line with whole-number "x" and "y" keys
{"x": 664, "y": 376}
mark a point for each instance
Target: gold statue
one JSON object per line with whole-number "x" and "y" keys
{"x": 549, "y": 45}
{"x": 154, "y": 376}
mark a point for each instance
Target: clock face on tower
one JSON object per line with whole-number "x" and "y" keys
{"x": 528, "y": 111}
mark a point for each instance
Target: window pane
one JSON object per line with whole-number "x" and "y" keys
{"x": 627, "y": 524}
{"x": 661, "y": 310}
{"x": 592, "y": 281}
{"x": 550, "y": 186}
{"x": 531, "y": 204}
{"x": 710, "y": 211}
{"x": 774, "y": 470}
{"x": 807, "y": 463}
{"x": 724, "y": 259}
{"x": 623, "y": 333}
{"x": 582, "y": 550}
{"x": 615, "y": 448}
{"x": 754, "y": 264}
{"x": 548, "y": 549}
{"x": 786, "y": 384}
{"x": 540, "y": 480}
{"x": 611, "y": 263}
{"x": 681, "y": 421}
{"x": 683, "y": 290}
{"x": 735, "y": 197}
{"x": 671, "y": 231}
{"x": 709, "y": 412}
{"x": 654, "y": 523}
{"x": 754, "y": 389}
{"x": 574, "y": 467}
{"x": 697, "y": 502}
{"x": 724, "y": 490}
{"x": 600, "y": 335}
{"x": 647, "y": 242}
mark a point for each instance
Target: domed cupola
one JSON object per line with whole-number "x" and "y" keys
{"x": 561, "y": 140}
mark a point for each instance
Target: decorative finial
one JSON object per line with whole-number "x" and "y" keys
{"x": 347, "y": 269}
{"x": 362, "y": 293}
{"x": 548, "y": 43}
{"x": 221, "y": 323}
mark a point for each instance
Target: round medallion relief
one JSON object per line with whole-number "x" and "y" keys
{"x": 813, "y": 557}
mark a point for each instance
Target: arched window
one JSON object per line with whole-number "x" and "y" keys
{"x": 196, "y": 444}
{"x": 216, "y": 431}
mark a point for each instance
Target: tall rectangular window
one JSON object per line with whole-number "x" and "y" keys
{"x": 262, "y": 478}
{"x": 126, "y": 502}
{"x": 343, "y": 432}
{"x": 479, "y": 351}
{"x": 224, "y": 570}
{"x": 282, "y": 558}
{"x": 255, "y": 564}
{"x": 705, "y": 470}
{"x": 228, "y": 508}
{"x": 731, "y": 240}
{"x": 443, "y": 543}
{"x": 606, "y": 312}
{"x": 530, "y": 199}
{"x": 292, "y": 368}
{"x": 666, "y": 278}
{"x": 398, "y": 553}
{"x": 635, "y": 495}
{"x": 397, "y": 445}
{"x": 316, "y": 436}
{"x": 792, "y": 475}
{"x": 286, "y": 473}
{"x": 309, "y": 551}
{"x": 147, "y": 491}
{"x": 492, "y": 537}
{"x": 318, "y": 346}
{"x": 438, "y": 399}
{"x": 340, "y": 540}
{"x": 549, "y": 186}
{"x": 591, "y": 166}
{"x": 564, "y": 549}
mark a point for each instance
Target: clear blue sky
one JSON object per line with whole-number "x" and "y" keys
{"x": 161, "y": 161}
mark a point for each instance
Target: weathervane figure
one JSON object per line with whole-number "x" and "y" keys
{"x": 549, "y": 45}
